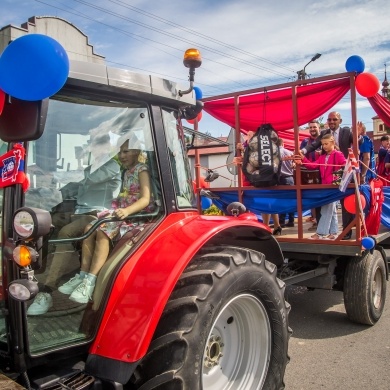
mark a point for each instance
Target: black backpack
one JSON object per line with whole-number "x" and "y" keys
{"x": 262, "y": 163}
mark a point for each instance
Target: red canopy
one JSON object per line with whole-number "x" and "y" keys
{"x": 275, "y": 107}
{"x": 381, "y": 106}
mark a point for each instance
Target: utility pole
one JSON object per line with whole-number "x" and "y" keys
{"x": 302, "y": 73}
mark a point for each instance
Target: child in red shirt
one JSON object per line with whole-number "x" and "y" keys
{"x": 327, "y": 163}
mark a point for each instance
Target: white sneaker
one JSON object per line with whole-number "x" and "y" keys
{"x": 83, "y": 292}
{"x": 71, "y": 285}
{"x": 42, "y": 303}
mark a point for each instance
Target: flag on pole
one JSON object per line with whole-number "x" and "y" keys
{"x": 12, "y": 168}
{"x": 351, "y": 165}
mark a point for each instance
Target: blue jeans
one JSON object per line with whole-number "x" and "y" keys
{"x": 328, "y": 223}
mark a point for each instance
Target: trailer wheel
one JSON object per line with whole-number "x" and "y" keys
{"x": 225, "y": 326}
{"x": 365, "y": 288}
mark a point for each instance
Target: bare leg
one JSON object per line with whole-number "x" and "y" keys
{"x": 65, "y": 258}
{"x": 100, "y": 255}
{"x": 89, "y": 245}
{"x": 95, "y": 259}
{"x": 266, "y": 218}
{"x": 275, "y": 217}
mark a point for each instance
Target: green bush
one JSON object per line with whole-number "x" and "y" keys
{"x": 213, "y": 210}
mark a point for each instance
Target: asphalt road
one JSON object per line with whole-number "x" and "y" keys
{"x": 328, "y": 351}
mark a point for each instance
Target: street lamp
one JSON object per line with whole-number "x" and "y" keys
{"x": 301, "y": 73}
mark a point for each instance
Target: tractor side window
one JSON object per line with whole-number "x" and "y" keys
{"x": 179, "y": 163}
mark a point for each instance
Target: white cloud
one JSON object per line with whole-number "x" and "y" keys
{"x": 278, "y": 36}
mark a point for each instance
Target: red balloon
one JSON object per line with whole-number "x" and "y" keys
{"x": 367, "y": 84}
{"x": 202, "y": 183}
{"x": 350, "y": 204}
{"x": 2, "y": 101}
{"x": 192, "y": 121}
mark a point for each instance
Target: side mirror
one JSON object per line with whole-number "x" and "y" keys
{"x": 22, "y": 120}
{"x": 191, "y": 112}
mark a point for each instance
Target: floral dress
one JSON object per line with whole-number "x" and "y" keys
{"x": 130, "y": 194}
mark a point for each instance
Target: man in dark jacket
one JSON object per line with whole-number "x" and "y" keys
{"x": 343, "y": 139}
{"x": 314, "y": 130}
{"x": 342, "y": 135}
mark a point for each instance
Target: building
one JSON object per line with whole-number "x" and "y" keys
{"x": 379, "y": 128}
{"x": 74, "y": 41}
{"x": 215, "y": 155}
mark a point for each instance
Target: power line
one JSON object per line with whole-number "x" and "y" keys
{"x": 139, "y": 38}
{"x": 199, "y": 34}
{"x": 182, "y": 40}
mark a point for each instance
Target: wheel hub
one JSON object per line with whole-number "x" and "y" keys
{"x": 238, "y": 348}
{"x": 213, "y": 352}
{"x": 377, "y": 289}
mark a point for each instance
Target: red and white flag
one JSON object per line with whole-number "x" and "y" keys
{"x": 351, "y": 165}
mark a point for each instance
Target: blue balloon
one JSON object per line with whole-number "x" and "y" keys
{"x": 206, "y": 203}
{"x": 355, "y": 64}
{"x": 368, "y": 243}
{"x": 198, "y": 93}
{"x": 33, "y": 67}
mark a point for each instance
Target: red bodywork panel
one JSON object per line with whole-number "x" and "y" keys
{"x": 146, "y": 281}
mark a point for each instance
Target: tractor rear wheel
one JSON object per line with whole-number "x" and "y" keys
{"x": 225, "y": 326}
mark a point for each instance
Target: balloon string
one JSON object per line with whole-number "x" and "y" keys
{"x": 357, "y": 194}
{"x": 212, "y": 169}
{"x": 378, "y": 176}
{"x": 325, "y": 165}
{"x": 334, "y": 165}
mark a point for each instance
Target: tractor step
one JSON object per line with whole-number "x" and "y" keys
{"x": 79, "y": 381}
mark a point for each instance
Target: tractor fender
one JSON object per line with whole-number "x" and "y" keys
{"x": 146, "y": 280}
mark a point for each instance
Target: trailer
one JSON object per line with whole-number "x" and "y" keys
{"x": 341, "y": 264}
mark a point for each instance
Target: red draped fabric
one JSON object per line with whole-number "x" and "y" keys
{"x": 276, "y": 107}
{"x": 381, "y": 106}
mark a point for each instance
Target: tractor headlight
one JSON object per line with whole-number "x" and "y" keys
{"x": 31, "y": 223}
{"x": 23, "y": 289}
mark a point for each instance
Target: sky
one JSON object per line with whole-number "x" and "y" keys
{"x": 244, "y": 43}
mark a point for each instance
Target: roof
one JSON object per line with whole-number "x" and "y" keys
{"x": 204, "y": 142}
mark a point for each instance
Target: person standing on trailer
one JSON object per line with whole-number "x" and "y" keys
{"x": 327, "y": 163}
{"x": 286, "y": 178}
{"x": 314, "y": 130}
{"x": 343, "y": 140}
{"x": 380, "y": 167}
{"x": 366, "y": 156}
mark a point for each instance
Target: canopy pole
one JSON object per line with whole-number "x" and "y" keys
{"x": 238, "y": 139}
{"x": 298, "y": 170}
{"x": 197, "y": 171}
{"x": 355, "y": 148}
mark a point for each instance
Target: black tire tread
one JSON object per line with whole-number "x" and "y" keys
{"x": 357, "y": 299}
{"x": 182, "y": 313}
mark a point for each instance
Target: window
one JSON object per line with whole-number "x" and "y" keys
{"x": 179, "y": 162}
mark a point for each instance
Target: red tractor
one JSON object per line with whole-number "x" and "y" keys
{"x": 183, "y": 301}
